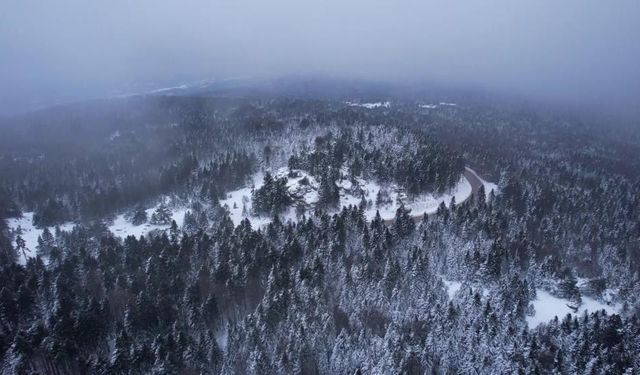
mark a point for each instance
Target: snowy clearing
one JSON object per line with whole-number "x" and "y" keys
{"x": 122, "y": 227}
{"x": 370, "y": 105}
{"x": 547, "y": 307}
{"x": 434, "y": 106}
{"x": 239, "y": 205}
{"x": 24, "y": 227}
{"x": 424, "y": 203}
{"x": 452, "y": 287}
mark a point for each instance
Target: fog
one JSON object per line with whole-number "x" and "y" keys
{"x": 572, "y": 50}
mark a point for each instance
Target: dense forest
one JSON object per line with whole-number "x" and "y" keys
{"x": 332, "y": 292}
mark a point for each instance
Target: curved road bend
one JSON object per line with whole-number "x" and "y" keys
{"x": 474, "y": 181}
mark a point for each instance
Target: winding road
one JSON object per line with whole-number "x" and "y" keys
{"x": 474, "y": 180}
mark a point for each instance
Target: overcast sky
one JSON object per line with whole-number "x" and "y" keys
{"x": 565, "y": 49}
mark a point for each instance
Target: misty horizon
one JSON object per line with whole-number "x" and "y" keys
{"x": 574, "y": 52}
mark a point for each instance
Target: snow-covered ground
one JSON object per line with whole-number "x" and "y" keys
{"x": 165, "y": 89}
{"x": 238, "y": 202}
{"x": 547, "y": 307}
{"x": 424, "y": 203}
{"x": 452, "y": 287}
{"x": 434, "y": 106}
{"x": 370, "y": 105}
{"x": 488, "y": 186}
{"x": 122, "y": 227}
{"x": 429, "y": 106}
{"x": 24, "y": 227}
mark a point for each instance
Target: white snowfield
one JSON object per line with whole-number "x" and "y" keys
{"x": 547, "y": 307}
{"x": 29, "y": 233}
{"x": 452, "y": 287}
{"x": 370, "y": 105}
{"x": 122, "y": 227}
{"x": 434, "y": 106}
{"x": 238, "y": 202}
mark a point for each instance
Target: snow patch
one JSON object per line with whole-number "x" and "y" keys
{"x": 423, "y": 203}
{"x": 547, "y": 307}
{"x": 434, "y": 106}
{"x": 122, "y": 227}
{"x": 165, "y": 89}
{"x": 429, "y": 106}
{"x": 240, "y": 206}
{"x": 452, "y": 287}
{"x": 370, "y": 105}
{"x": 352, "y": 191}
{"x": 24, "y": 227}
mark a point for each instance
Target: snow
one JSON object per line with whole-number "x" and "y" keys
{"x": 452, "y": 287}
{"x": 30, "y": 233}
{"x": 547, "y": 307}
{"x": 424, "y": 203}
{"x": 429, "y": 106}
{"x": 165, "y": 89}
{"x": 121, "y": 227}
{"x": 239, "y": 205}
{"x": 488, "y": 186}
{"x": 434, "y": 106}
{"x": 370, "y": 105}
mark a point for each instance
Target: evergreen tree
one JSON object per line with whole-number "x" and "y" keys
{"x": 46, "y": 242}
{"x": 140, "y": 216}
{"x": 328, "y": 192}
{"x": 162, "y": 215}
{"x": 403, "y": 224}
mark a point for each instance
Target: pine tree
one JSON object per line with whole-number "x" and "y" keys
{"x": 162, "y": 215}
{"x": 139, "y": 216}
{"x": 568, "y": 286}
{"x": 46, "y": 242}
{"x": 328, "y": 192}
{"x": 21, "y": 246}
{"x": 403, "y": 224}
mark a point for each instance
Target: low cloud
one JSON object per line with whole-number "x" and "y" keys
{"x": 69, "y": 49}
